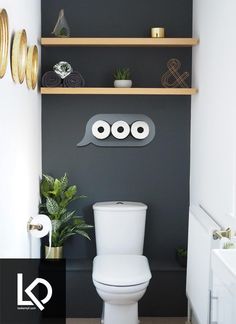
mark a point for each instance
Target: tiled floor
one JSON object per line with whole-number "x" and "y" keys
{"x": 145, "y": 320}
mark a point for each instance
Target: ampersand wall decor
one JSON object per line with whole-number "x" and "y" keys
{"x": 172, "y": 78}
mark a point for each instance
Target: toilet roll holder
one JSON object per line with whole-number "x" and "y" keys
{"x": 112, "y": 141}
{"x": 218, "y": 235}
{"x": 31, "y": 227}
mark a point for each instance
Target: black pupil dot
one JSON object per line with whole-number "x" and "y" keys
{"x": 120, "y": 129}
{"x": 140, "y": 129}
{"x": 101, "y": 129}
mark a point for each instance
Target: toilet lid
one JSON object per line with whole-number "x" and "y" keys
{"x": 121, "y": 270}
{"x": 119, "y": 206}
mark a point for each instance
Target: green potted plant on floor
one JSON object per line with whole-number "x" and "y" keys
{"x": 181, "y": 257}
{"x": 56, "y": 196}
{"x": 122, "y": 78}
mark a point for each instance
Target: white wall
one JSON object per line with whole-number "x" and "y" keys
{"x": 213, "y": 138}
{"x": 20, "y": 142}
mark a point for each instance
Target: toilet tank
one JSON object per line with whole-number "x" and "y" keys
{"x": 119, "y": 227}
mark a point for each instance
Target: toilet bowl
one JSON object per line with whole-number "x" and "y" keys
{"x": 121, "y": 281}
{"x": 121, "y": 273}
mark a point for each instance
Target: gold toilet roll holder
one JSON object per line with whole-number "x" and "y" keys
{"x": 31, "y": 227}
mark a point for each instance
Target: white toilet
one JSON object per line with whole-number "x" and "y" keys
{"x": 121, "y": 273}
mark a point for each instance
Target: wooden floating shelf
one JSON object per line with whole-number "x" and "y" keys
{"x": 129, "y": 42}
{"x": 119, "y": 91}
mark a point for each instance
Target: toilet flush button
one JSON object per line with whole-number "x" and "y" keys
{"x": 119, "y": 203}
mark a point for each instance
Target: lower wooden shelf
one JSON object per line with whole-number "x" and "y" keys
{"x": 119, "y": 91}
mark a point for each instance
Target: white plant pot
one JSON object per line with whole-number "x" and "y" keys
{"x": 123, "y": 83}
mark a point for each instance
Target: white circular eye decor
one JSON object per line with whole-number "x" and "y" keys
{"x": 140, "y": 130}
{"x": 101, "y": 129}
{"x": 120, "y": 129}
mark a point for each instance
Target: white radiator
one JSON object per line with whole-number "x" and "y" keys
{"x": 200, "y": 244}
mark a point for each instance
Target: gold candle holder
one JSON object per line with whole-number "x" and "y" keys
{"x": 158, "y": 32}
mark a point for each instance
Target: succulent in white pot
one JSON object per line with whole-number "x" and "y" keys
{"x": 122, "y": 78}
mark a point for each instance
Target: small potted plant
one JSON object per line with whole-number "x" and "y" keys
{"x": 56, "y": 195}
{"x": 122, "y": 78}
{"x": 181, "y": 257}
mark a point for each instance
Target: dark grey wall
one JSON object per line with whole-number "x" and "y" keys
{"x": 157, "y": 174}
{"x": 131, "y": 18}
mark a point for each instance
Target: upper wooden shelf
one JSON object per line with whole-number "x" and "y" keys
{"x": 126, "y": 42}
{"x": 120, "y": 91}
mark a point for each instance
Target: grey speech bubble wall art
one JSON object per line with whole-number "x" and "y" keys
{"x": 132, "y": 130}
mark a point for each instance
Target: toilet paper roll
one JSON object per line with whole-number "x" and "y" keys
{"x": 45, "y": 222}
{"x": 140, "y": 130}
{"x": 101, "y": 129}
{"x": 120, "y": 129}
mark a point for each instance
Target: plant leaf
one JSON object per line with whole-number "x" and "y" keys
{"x": 44, "y": 188}
{"x": 83, "y": 233}
{"x": 81, "y": 197}
{"x": 85, "y": 226}
{"x": 56, "y": 225}
{"x": 80, "y": 223}
{"x": 62, "y": 211}
{"x": 64, "y": 238}
{"x": 57, "y": 187}
{"x": 49, "y": 179}
{"x": 52, "y": 206}
{"x": 71, "y": 192}
{"x": 66, "y": 217}
{"x": 64, "y": 182}
{"x": 122, "y": 74}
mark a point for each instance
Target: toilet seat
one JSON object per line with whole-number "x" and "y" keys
{"x": 121, "y": 270}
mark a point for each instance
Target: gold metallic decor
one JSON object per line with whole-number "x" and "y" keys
{"x": 172, "y": 78}
{"x": 19, "y": 56}
{"x": 32, "y": 67}
{"x": 55, "y": 252}
{"x": 158, "y": 32}
{"x": 4, "y": 41}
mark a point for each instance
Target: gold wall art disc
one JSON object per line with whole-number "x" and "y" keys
{"x": 4, "y": 41}
{"x": 19, "y": 56}
{"x": 32, "y": 67}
